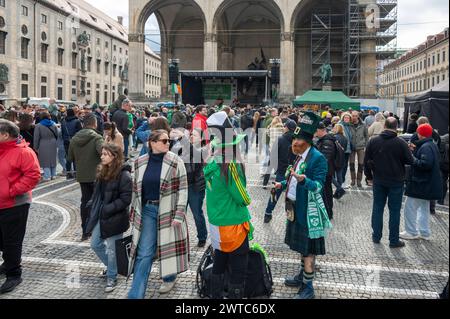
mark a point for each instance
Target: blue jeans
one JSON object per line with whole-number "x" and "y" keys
{"x": 394, "y": 196}
{"x": 417, "y": 214}
{"x": 105, "y": 249}
{"x": 195, "y": 201}
{"x": 345, "y": 167}
{"x": 49, "y": 172}
{"x": 62, "y": 156}
{"x": 271, "y": 205}
{"x": 126, "y": 144}
{"x": 146, "y": 250}
{"x": 338, "y": 180}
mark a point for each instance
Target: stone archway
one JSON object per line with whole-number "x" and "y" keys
{"x": 182, "y": 25}
{"x": 243, "y": 28}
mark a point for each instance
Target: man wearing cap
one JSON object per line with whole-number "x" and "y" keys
{"x": 306, "y": 213}
{"x": 281, "y": 157}
{"x": 423, "y": 185}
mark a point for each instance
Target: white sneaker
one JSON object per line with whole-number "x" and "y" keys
{"x": 408, "y": 236}
{"x": 166, "y": 287}
{"x": 425, "y": 237}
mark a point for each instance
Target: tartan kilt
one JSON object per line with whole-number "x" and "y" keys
{"x": 297, "y": 240}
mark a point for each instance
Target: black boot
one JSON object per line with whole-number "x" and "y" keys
{"x": 236, "y": 291}
{"x": 10, "y": 284}
{"x": 217, "y": 285}
{"x": 295, "y": 281}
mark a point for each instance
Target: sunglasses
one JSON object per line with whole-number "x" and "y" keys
{"x": 164, "y": 141}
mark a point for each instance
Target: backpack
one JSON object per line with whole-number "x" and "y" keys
{"x": 339, "y": 157}
{"x": 258, "y": 283}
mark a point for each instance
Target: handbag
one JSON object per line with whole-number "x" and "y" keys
{"x": 123, "y": 248}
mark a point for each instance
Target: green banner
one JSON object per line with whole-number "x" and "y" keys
{"x": 214, "y": 91}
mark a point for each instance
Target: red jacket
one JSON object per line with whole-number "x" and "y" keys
{"x": 19, "y": 173}
{"x": 199, "y": 122}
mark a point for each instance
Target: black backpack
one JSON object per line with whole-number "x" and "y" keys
{"x": 258, "y": 283}
{"x": 339, "y": 157}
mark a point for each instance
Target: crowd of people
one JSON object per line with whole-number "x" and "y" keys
{"x": 190, "y": 155}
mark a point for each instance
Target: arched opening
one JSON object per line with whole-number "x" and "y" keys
{"x": 319, "y": 29}
{"x": 247, "y": 30}
{"x": 181, "y": 33}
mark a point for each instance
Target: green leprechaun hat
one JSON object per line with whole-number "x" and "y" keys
{"x": 308, "y": 125}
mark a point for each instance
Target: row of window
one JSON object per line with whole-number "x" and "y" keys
{"x": 435, "y": 59}
{"x": 416, "y": 86}
{"x": 152, "y": 80}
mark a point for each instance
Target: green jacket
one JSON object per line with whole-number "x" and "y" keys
{"x": 85, "y": 150}
{"x": 226, "y": 204}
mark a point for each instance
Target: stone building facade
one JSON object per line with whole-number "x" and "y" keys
{"x": 418, "y": 70}
{"x": 214, "y": 35}
{"x": 67, "y": 50}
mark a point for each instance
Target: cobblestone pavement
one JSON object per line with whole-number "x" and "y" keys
{"x": 56, "y": 265}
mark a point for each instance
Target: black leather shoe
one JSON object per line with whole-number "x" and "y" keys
{"x": 2, "y": 270}
{"x": 400, "y": 244}
{"x": 201, "y": 243}
{"x": 10, "y": 284}
{"x": 294, "y": 282}
{"x": 267, "y": 219}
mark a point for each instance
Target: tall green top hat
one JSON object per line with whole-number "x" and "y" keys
{"x": 307, "y": 127}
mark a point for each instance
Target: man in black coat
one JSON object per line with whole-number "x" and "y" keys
{"x": 423, "y": 186}
{"x": 121, "y": 119}
{"x": 386, "y": 157}
{"x": 326, "y": 144}
{"x": 281, "y": 156}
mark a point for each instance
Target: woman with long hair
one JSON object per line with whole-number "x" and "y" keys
{"x": 112, "y": 135}
{"x": 229, "y": 218}
{"x": 46, "y": 145}
{"x": 27, "y": 128}
{"x": 160, "y": 193}
{"x": 109, "y": 209}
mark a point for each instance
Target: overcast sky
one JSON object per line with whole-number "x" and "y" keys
{"x": 417, "y": 18}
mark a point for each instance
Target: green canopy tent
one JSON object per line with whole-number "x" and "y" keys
{"x": 336, "y": 100}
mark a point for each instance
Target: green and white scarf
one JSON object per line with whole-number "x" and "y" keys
{"x": 318, "y": 222}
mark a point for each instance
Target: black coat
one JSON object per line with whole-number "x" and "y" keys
{"x": 114, "y": 218}
{"x": 327, "y": 146}
{"x": 385, "y": 159}
{"x": 425, "y": 181}
{"x": 284, "y": 157}
{"x": 120, "y": 118}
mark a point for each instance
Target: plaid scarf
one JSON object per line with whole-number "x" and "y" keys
{"x": 318, "y": 221}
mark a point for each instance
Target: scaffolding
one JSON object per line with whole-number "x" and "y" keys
{"x": 337, "y": 38}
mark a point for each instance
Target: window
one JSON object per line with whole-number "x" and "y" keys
{"x": 60, "y": 93}
{"x": 98, "y": 66}
{"x": 60, "y": 25}
{"x": 120, "y": 50}
{"x": 443, "y": 56}
{"x": 43, "y": 91}
{"x": 60, "y": 81}
{"x": 97, "y": 97}
{"x": 115, "y": 48}
{"x": 434, "y": 60}
{"x": 89, "y": 62}
{"x": 432, "y": 81}
{"x": 60, "y": 57}
{"x": 120, "y": 71}
{"x": 443, "y": 77}
{"x": 114, "y": 69}
{"x": 106, "y": 44}
{"x": 44, "y": 50}
{"x": 93, "y": 18}
{"x": 24, "y": 90}
{"x": 24, "y": 77}
{"x": 24, "y": 48}
{"x": 106, "y": 97}
{"x": 2, "y": 3}
{"x": 438, "y": 58}
{"x": 74, "y": 60}
{"x": 97, "y": 41}
{"x": 106, "y": 68}
{"x": 429, "y": 62}
{"x": 438, "y": 79}
{"x": 25, "y": 11}
{"x": 43, "y": 19}
{"x": 2, "y": 42}
{"x": 421, "y": 66}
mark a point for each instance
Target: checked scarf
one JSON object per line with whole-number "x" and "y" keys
{"x": 318, "y": 222}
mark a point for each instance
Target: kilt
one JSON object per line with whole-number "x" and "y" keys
{"x": 297, "y": 240}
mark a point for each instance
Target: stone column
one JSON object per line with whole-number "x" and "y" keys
{"x": 287, "y": 68}
{"x": 210, "y": 52}
{"x": 164, "y": 73}
{"x": 136, "y": 72}
{"x": 227, "y": 59}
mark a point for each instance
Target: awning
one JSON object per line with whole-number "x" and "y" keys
{"x": 335, "y": 99}
{"x": 225, "y": 74}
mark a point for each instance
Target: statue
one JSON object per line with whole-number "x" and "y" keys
{"x": 83, "y": 61}
{"x": 3, "y": 73}
{"x": 83, "y": 39}
{"x": 326, "y": 73}
{"x": 124, "y": 75}
{"x": 259, "y": 65}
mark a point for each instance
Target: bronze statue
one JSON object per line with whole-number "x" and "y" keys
{"x": 83, "y": 39}
{"x": 3, "y": 73}
{"x": 326, "y": 73}
{"x": 124, "y": 75}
